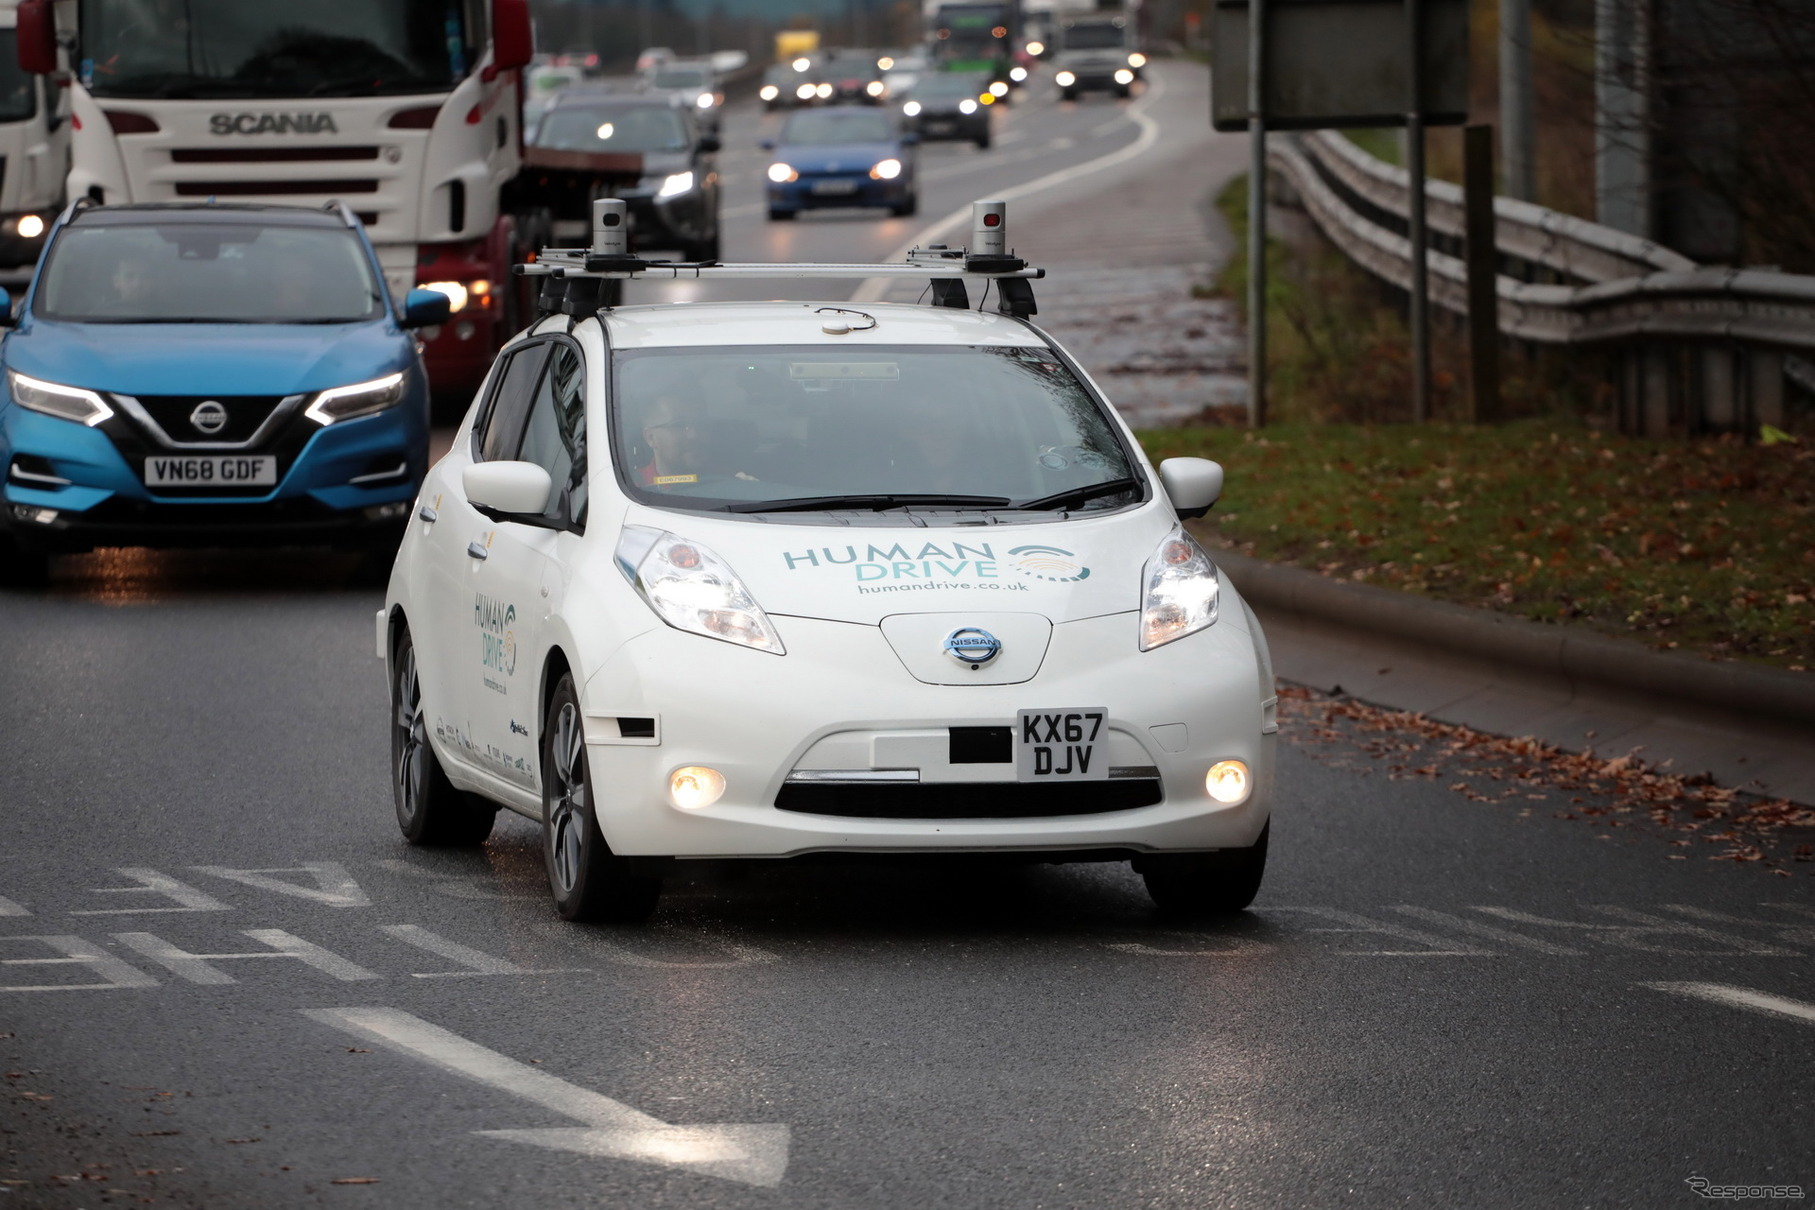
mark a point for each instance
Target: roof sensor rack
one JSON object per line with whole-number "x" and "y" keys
{"x": 582, "y": 281}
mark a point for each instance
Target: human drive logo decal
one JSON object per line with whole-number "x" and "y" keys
{"x": 904, "y": 566}
{"x": 497, "y": 641}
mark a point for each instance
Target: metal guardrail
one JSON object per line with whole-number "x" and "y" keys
{"x": 1695, "y": 348}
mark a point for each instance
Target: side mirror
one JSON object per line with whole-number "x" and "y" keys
{"x": 37, "y": 37}
{"x": 708, "y": 144}
{"x": 513, "y": 38}
{"x": 1192, "y": 484}
{"x": 510, "y": 488}
{"x": 767, "y": 145}
{"x": 425, "y": 309}
{"x": 6, "y": 308}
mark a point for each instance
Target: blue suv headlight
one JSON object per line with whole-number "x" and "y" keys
{"x": 68, "y": 403}
{"x": 360, "y": 399}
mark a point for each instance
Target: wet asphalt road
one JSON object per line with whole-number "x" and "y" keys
{"x": 224, "y": 977}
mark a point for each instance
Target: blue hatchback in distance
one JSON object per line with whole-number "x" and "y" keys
{"x": 208, "y": 375}
{"x": 842, "y": 156}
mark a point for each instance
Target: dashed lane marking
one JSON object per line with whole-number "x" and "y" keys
{"x": 1740, "y": 997}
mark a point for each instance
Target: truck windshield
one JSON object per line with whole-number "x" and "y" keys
{"x": 229, "y": 48}
{"x": 207, "y": 273}
{"x": 793, "y": 429}
{"x": 18, "y": 91}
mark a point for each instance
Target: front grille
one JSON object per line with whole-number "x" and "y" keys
{"x": 325, "y": 188}
{"x": 270, "y": 155}
{"x": 245, "y": 413}
{"x": 968, "y": 800}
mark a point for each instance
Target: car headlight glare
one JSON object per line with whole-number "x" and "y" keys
{"x": 1017, "y": 74}
{"x": 886, "y": 170}
{"x": 1137, "y": 59}
{"x": 456, "y": 293}
{"x": 1065, "y": 79}
{"x": 999, "y": 89}
{"x": 874, "y": 88}
{"x": 911, "y": 109}
{"x": 676, "y": 185}
{"x": 1036, "y": 48}
{"x": 360, "y": 399}
{"x": 804, "y": 92}
{"x": 705, "y": 100}
{"x": 692, "y": 589}
{"x": 67, "y": 403}
{"x": 823, "y": 91}
{"x": 1124, "y": 76}
{"x": 31, "y": 227}
{"x": 967, "y": 106}
{"x": 1182, "y": 591}
{"x": 782, "y": 173}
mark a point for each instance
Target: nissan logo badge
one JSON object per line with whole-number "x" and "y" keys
{"x": 209, "y": 417}
{"x": 973, "y": 646}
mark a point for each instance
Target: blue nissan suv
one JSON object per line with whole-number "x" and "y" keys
{"x": 209, "y": 375}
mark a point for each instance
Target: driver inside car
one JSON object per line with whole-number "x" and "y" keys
{"x": 682, "y": 445}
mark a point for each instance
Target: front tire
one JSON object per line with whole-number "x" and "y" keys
{"x": 588, "y": 881}
{"x": 1206, "y": 884}
{"x": 430, "y": 811}
{"x": 910, "y": 206}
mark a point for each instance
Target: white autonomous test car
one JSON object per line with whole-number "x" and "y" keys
{"x": 760, "y": 580}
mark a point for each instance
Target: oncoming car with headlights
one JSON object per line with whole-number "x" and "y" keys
{"x": 769, "y": 579}
{"x": 210, "y": 375}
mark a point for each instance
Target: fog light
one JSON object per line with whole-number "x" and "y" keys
{"x": 27, "y": 512}
{"x": 1227, "y": 781}
{"x": 695, "y": 787}
{"x": 387, "y": 512}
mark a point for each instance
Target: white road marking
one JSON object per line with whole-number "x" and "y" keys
{"x": 153, "y": 883}
{"x": 1643, "y": 933}
{"x": 1484, "y": 930}
{"x": 1740, "y": 997}
{"x": 195, "y": 968}
{"x": 77, "y": 952}
{"x": 1436, "y": 947}
{"x": 1789, "y": 934}
{"x": 752, "y": 1154}
{"x": 871, "y": 289}
{"x": 9, "y": 908}
{"x": 475, "y": 961}
{"x": 333, "y": 885}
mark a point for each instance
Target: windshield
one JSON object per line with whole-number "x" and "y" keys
{"x": 969, "y": 32}
{"x": 625, "y": 128}
{"x": 742, "y": 430}
{"x": 670, "y": 77}
{"x": 1093, "y": 37}
{"x": 831, "y": 127}
{"x": 944, "y": 86}
{"x": 18, "y": 91}
{"x": 207, "y": 273}
{"x": 230, "y": 48}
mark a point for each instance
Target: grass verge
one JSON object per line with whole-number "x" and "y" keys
{"x": 1703, "y": 546}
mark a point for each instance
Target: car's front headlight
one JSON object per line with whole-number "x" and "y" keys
{"x": 874, "y": 88}
{"x": 68, "y": 403}
{"x": 886, "y": 170}
{"x": 705, "y": 100}
{"x": 782, "y": 173}
{"x": 911, "y": 109}
{"x": 769, "y": 92}
{"x": 692, "y": 589}
{"x": 360, "y": 399}
{"x": 1137, "y": 59}
{"x": 1181, "y": 593}
{"x": 1065, "y": 79}
{"x": 676, "y": 185}
{"x": 967, "y": 107}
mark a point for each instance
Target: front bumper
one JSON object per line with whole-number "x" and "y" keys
{"x": 841, "y": 700}
{"x": 105, "y": 502}
{"x": 844, "y": 189}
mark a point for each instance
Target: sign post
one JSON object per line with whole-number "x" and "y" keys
{"x": 1257, "y": 218}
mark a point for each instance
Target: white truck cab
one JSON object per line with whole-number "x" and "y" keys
{"x": 34, "y": 149}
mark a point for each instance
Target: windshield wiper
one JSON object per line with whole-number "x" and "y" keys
{"x": 1079, "y": 495}
{"x": 874, "y": 503}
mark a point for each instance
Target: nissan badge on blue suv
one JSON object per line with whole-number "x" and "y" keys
{"x": 209, "y": 375}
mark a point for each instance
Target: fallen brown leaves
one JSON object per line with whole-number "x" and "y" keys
{"x": 1611, "y": 792}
